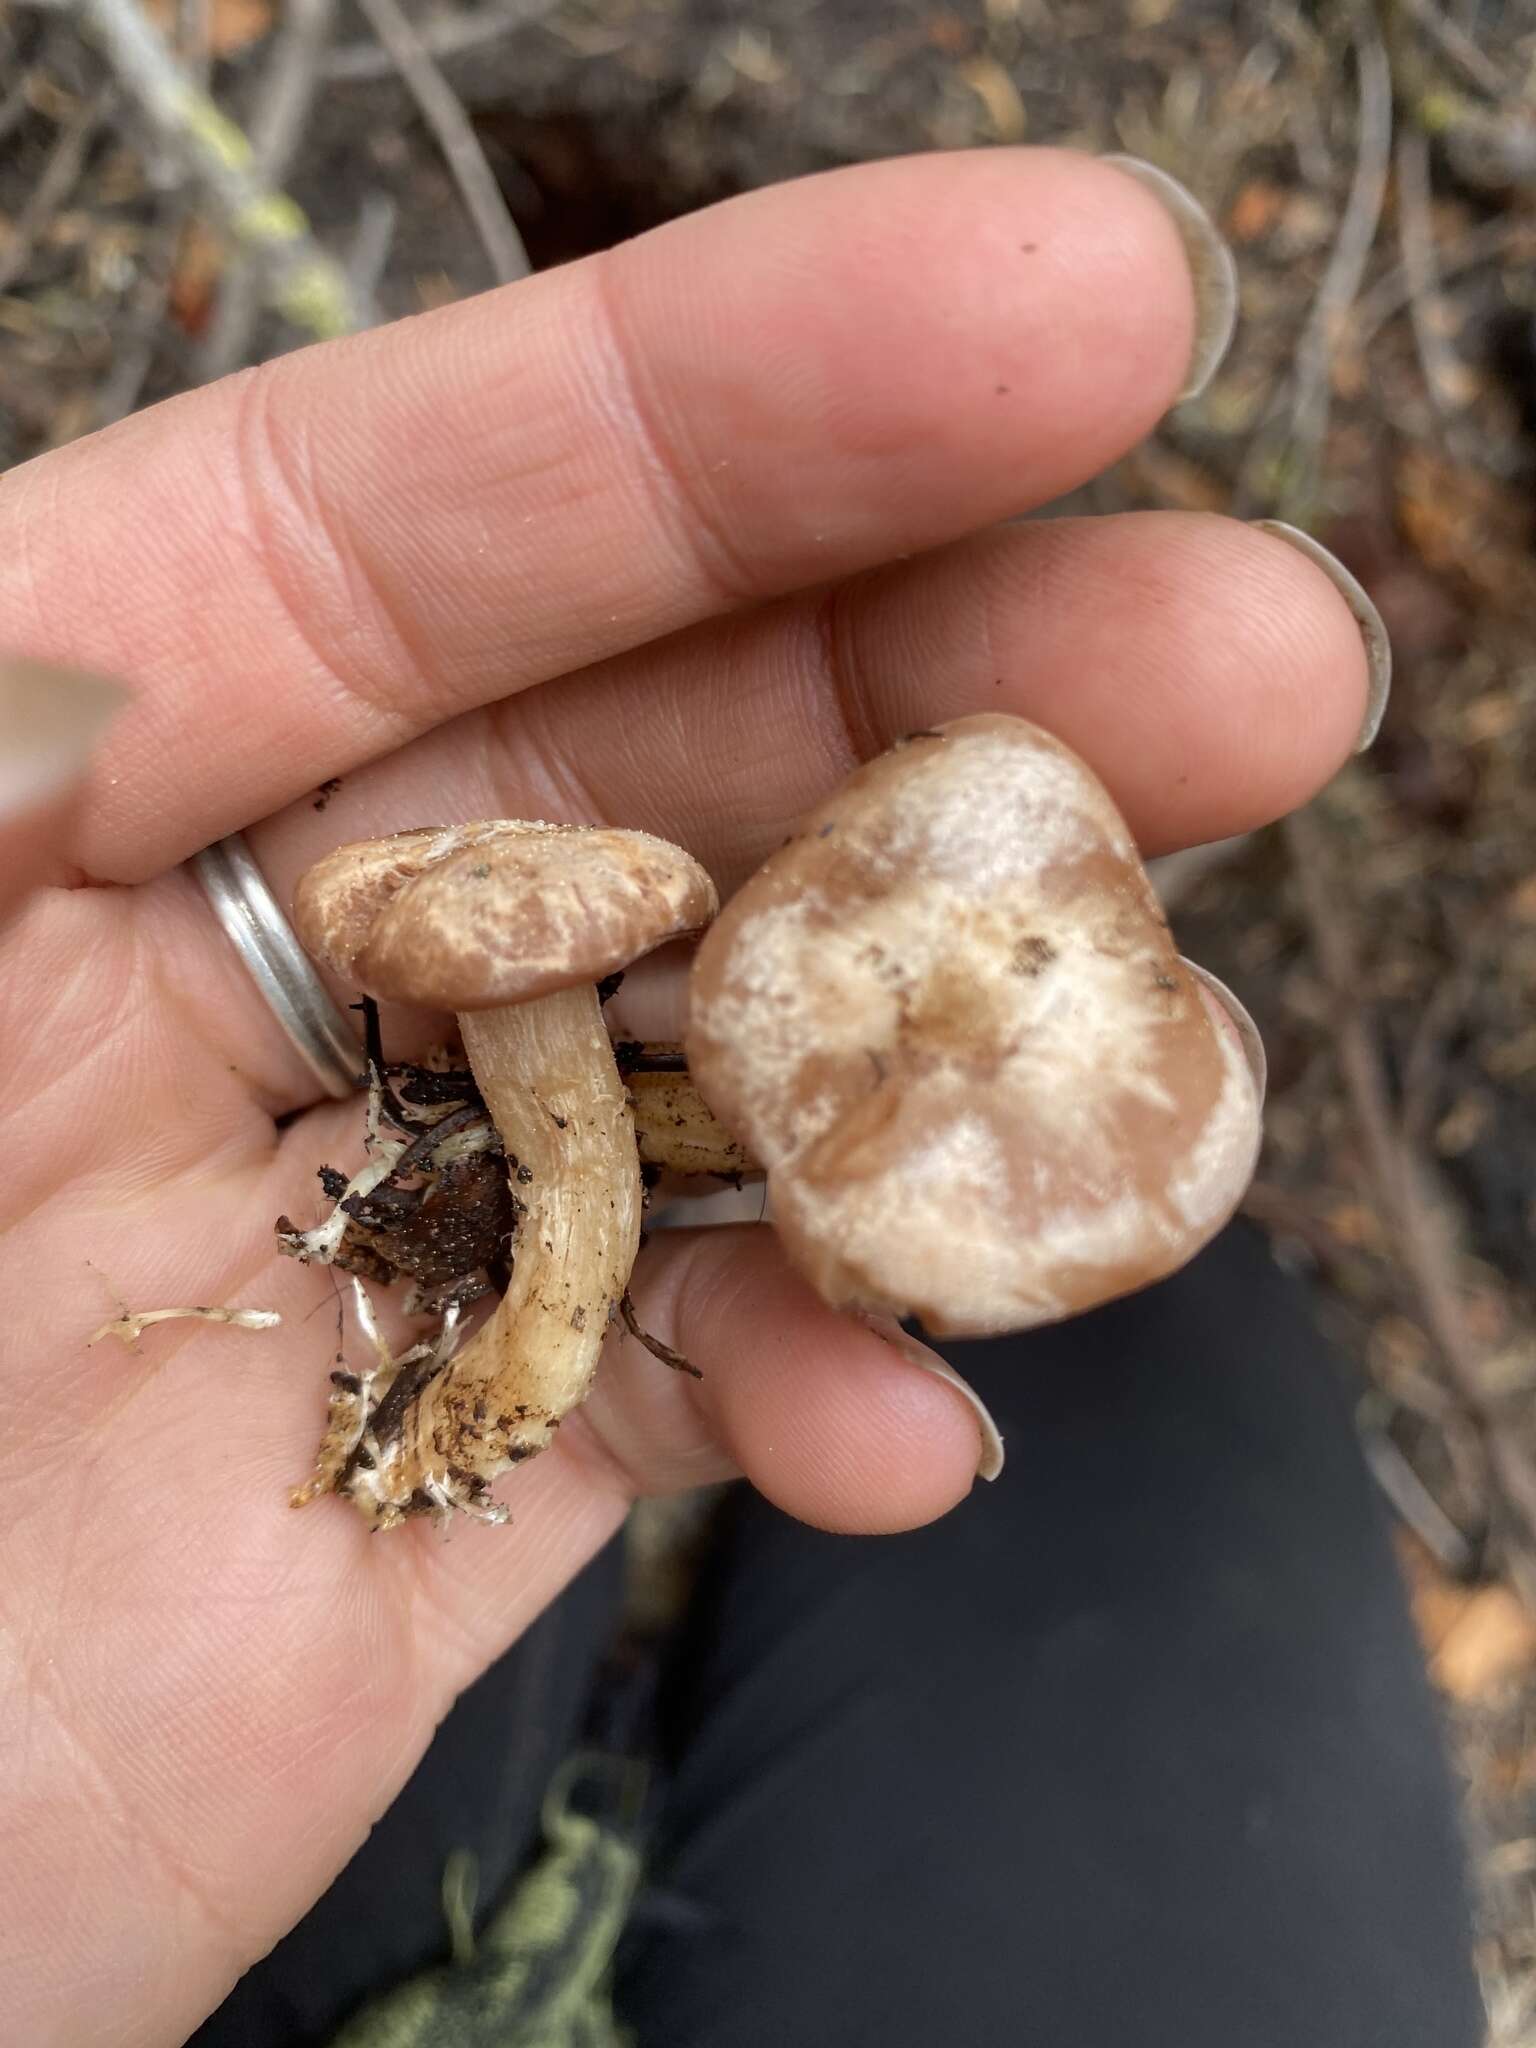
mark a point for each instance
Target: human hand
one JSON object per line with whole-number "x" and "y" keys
{"x": 667, "y": 539}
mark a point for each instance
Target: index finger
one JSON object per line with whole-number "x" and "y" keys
{"x": 309, "y": 564}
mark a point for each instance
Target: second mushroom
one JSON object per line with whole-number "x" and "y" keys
{"x": 511, "y": 926}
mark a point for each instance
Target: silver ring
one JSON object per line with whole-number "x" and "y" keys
{"x": 253, "y": 919}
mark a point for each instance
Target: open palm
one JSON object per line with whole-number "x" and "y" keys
{"x": 665, "y": 539}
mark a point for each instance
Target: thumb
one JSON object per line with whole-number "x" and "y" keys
{"x": 50, "y": 719}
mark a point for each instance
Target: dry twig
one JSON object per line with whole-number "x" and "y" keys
{"x": 1395, "y": 1172}
{"x": 445, "y": 116}
{"x": 136, "y": 345}
{"x": 654, "y": 1345}
{"x": 368, "y": 254}
{"x": 1458, "y": 48}
{"x": 306, "y": 285}
{"x": 58, "y": 179}
{"x": 1443, "y": 374}
{"x": 1346, "y": 264}
{"x": 1399, "y": 1183}
{"x": 1488, "y": 242}
{"x": 288, "y": 89}
{"x": 448, "y": 36}
{"x": 1282, "y": 464}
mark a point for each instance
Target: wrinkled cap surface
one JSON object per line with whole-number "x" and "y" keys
{"x": 949, "y": 1019}
{"x": 472, "y": 916}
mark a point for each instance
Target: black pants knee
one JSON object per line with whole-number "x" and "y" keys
{"x": 1134, "y": 1750}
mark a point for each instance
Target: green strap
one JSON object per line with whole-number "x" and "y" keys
{"x": 539, "y": 1975}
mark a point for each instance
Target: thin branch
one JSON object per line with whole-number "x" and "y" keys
{"x": 1415, "y": 1504}
{"x": 136, "y": 345}
{"x": 1486, "y": 243}
{"x": 372, "y": 239}
{"x": 1476, "y": 932}
{"x": 450, "y": 36}
{"x": 15, "y": 101}
{"x": 290, "y": 82}
{"x": 306, "y": 285}
{"x": 58, "y": 179}
{"x": 654, "y": 1345}
{"x": 444, "y": 114}
{"x": 288, "y": 88}
{"x": 1340, "y": 286}
{"x": 1280, "y": 472}
{"x": 1420, "y": 1234}
{"x": 1458, "y": 48}
{"x": 1416, "y": 238}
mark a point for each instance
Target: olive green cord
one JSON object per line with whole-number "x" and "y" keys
{"x": 538, "y": 1975}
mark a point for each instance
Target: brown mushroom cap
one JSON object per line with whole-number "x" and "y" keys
{"x": 949, "y": 1019}
{"x": 471, "y": 917}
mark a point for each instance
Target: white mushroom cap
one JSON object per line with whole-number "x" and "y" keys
{"x": 471, "y": 917}
{"x": 948, "y": 1018}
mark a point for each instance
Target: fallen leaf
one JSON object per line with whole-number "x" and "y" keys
{"x": 1475, "y": 1638}
{"x": 1254, "y": 211}
{"x": 1491, "y": 717}
{"x": 1470, "y": 524}
{"x": 1354, "y": 1224}
{"x": 194, "y": 276}
{"x": 1491, "y": 1640}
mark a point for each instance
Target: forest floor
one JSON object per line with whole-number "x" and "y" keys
{"x": 1376, "y": 174}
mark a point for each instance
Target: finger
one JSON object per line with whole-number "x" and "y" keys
{"x": 830, "y": 1419}
{"x": 1211, "y": 674}
{"x": 308, "y": 565}
{"x": 50, "y": 721}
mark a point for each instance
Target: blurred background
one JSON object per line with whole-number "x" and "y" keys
{"x": 189, "y": 186}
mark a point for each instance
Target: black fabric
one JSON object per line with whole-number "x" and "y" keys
{"x": 1132, "y": 1751}
{"x": 478, "y": 1789}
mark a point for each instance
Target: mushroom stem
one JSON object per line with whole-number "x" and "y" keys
{"x": 547, "y": 1074}
{"x": 674, "y": 1126}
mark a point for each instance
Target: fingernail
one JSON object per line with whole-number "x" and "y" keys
{"x": 50, "y": 719}
{"x": 1373, "y": 631}
{"x": 889, "y": 1331}
{"x": 1210, "y": 266}
{"x": 1243, "y": 1024}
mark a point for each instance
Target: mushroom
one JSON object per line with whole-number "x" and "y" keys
{"x": 510, "y": 925}
{"x": 948, "y": 1018}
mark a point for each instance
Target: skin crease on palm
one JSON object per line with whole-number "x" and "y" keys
{"x": 537, "y": 555}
